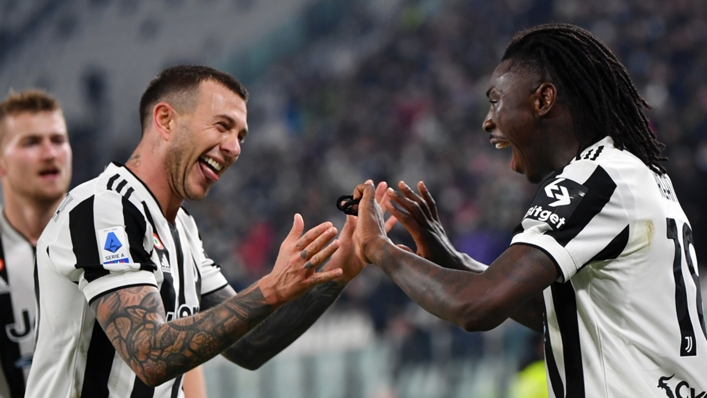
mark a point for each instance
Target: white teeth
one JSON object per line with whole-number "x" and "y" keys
{"x": 212, "y": 163}
{"x": 501, "y": 145}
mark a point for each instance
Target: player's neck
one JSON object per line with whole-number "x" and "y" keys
{"x": 153, "y": 174}
{"x": 28, "y": 216}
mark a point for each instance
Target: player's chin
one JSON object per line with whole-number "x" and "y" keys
{"x": 198, "y": 192}
{"x": 50, "y": 195}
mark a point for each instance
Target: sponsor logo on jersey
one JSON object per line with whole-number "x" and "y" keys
{"x": 183, "y": 311}
{"x": 164, "y": 265}
{"x": 114, "y": 245}
{"x": 681, "y": 389}
{"x": 22, "y": 330}
{"x": 556, "y": 201}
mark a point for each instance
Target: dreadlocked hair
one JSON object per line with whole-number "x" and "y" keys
{"x": 600, "y": 94}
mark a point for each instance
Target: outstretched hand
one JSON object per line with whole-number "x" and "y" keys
{"x": 295, "y": 268}
{"x": 418, "y": 214}
{"x": 346, "y": 257}
{"x": 371, "y": 224}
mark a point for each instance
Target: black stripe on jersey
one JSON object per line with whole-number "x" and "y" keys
{"x": 10, "y": 352}
{"x": 111, "y": 181}
{"x": 83, "y": 241}
{"x": 613, "y": 249}
{"x": 135, "y": 227}
{"x": 98, "y": 364}
{"x": 177, "y": 386}
{"x": 565, "y": 303}
{"x": 128, "y": 193}
{"x": 121, "y": 185}
{"x": 198, "y": 278}
{"x": 593, "y": 153}
{"x": 167, "y": 289}
{"x": 180, "y": 262}
{"x": 553, "y": 373}
{"x": 600, "y": 187}
{"x": 142, "y": 390}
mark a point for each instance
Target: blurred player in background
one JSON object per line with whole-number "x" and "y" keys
{"x": 35, "y": 170}
{"x": 602, "y": 262}
{"x": 128, "y": 300}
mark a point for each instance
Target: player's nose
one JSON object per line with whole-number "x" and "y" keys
{"x": 488, "y": 125}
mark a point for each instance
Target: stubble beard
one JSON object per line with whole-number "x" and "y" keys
{"x": 179, "y": 172}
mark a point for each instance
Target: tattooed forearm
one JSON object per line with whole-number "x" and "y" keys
{"x": 283, "y": 327}
{"x": 157, "y": 351}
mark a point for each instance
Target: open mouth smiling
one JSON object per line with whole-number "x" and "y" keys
{"x": 214, "y": 165}
{"x": 499, "y": 142}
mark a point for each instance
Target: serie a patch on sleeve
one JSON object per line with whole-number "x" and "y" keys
{"x": 114, "y": 247}
{"x": 556, "y": 201}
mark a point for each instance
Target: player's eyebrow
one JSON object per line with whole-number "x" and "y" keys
{"x": 231, "y": 122}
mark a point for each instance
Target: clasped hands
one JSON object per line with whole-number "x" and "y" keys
{"x": 417, "y": 212}
{"x": 301, "y": 254}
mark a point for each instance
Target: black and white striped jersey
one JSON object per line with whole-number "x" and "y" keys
{"x": 625, "y": 318}
{"x": 109, "y": 233}
{"x": 17, "y": 309}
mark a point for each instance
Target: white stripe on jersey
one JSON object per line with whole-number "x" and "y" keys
{"x": 17, "y": 309}
{"x": 109, "y": 233}
{"x": 628, "y": 322}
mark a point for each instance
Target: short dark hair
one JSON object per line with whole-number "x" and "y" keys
{"x": 600, "y": 94}
{"x": 29, "y": 101}
{"x": 182, "y": 81}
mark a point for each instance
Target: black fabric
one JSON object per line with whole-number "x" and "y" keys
{"x": 83, "y": 241}
{"x": 565, "y": 303}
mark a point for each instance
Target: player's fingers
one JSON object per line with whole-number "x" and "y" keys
{"x": 399, "y": 213}
{"x": 414, "y": 197}
{"x": 380, "y": 191}
{"x": 318, "y": 243}
{"x": 311, "y": 235}
{"x": 402, "y": 246}
{"x": 296, "y": 230}
{"x": 361, "y": 188}
{"x": 390, "y": 223}
{"x": 404, "y": 203}
{"x": 427, "y": 196}
{"x": 349, "y": 226}
{"x": 321, "y": 277}
{"x": 321, "y": 256}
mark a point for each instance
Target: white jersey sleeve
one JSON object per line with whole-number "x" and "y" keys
{"x": 578, "y": 216}
{"x": 107, "y": 248}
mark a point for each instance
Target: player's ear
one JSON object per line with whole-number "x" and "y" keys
{"x": 545, "y": 98}
{"x": 164, "y": 119}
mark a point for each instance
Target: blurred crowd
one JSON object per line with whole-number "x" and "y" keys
{"x": 399, "y": 95}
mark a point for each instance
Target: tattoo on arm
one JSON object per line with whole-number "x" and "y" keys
{"x": 157, "y": 351}
{"x": 283, "y": 327}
